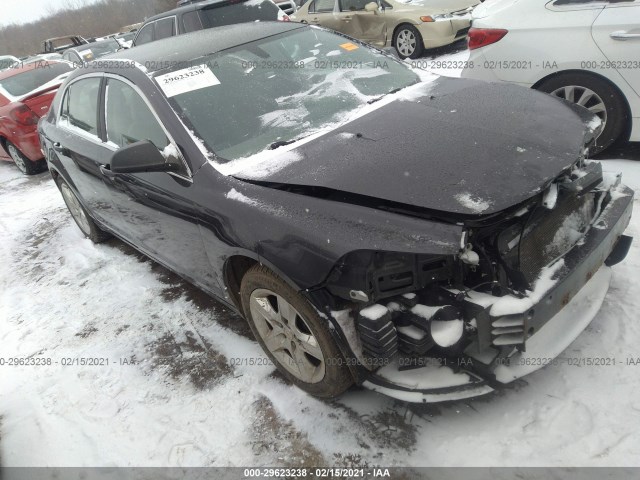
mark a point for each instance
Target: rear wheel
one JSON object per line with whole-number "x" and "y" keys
{"x": 597, "y": 96}
{"x": 25, "y": 165}
{"x": 293, "y": 335}
{"x": 80, "y": 215}
{"x": 408, "y": 42}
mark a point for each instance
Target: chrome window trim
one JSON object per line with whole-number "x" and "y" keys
{"x": 64, "y": 122}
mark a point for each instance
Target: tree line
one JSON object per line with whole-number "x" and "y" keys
{"x": 87, "y": 18}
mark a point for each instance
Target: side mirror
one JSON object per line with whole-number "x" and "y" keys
{"x": 141, "y": 157}
{"x": 371, "y": 7}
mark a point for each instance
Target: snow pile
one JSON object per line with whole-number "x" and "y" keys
{"x": 374, "y": 312}
{"x": 475, "y": 204}
{"x": 510, "y": 305}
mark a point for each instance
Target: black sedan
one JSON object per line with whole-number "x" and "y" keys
{"x": 428, "y": 238}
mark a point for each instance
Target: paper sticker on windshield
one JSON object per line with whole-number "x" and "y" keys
{"x": 86, "y": 54}
{"x": 349, "y": 46}
{"x": 187, "y": 80}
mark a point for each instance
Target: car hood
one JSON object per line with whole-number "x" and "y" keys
{"x": 466, "y": 148}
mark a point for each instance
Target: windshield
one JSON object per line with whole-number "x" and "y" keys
{"x": 26, "y": 82}
{"x": 266, "y": 93}
{"x": 95, "y": 50}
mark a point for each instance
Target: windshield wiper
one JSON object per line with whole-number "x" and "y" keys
{"x": 395, "y": 90}
{"x": 281, "y": 143}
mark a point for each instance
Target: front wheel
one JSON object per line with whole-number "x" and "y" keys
{"x": 80, "y": 215}
{"x": 408, "y": 42}
{"x": 293, "y": 335}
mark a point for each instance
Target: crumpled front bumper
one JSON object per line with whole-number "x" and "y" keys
{"x": 551, "y": 321}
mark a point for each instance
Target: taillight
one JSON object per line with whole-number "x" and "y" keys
{"x": 24, "y": 115}
{"x": 481, "y": 37}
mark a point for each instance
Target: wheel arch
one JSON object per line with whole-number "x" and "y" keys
{"x": 629, "y": 122}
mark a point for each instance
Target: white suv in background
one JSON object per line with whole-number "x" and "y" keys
{"x": 585, "y": 51}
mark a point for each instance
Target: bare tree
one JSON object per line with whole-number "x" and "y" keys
{"x": 78, "y": 17}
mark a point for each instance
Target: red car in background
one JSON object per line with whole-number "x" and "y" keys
{"x": 26, "y": 93}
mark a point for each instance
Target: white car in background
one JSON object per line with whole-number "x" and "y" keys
{"x": 584, "y": 51}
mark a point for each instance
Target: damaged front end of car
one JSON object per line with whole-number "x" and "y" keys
{"x": 426, "y": 328}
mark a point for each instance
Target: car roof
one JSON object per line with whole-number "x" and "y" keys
{"x": 192, "y": 7}
{"x": 160, "y": 55}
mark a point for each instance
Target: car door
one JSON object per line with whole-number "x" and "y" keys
{"x": 616, "y": 31}
{"x": 77, "y": 144}
{"x": 158, "y": 215}
{"x": 324, "y": 13}
{"x": 359, "y": 23}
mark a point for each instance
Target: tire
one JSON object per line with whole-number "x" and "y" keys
{"x": 319, "y": 367}
{"x": 599, "y": 97}
{"x": 80, "y": 215}
{"x": 26, "y": 166}
{"x": 408, "y": 42}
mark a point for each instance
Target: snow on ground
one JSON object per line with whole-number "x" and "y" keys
{"x": 180, "y": 389}
{"x": 173, "y": 394}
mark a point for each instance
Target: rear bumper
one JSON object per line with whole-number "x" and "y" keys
{"x": 29, "y": 144}
{"x": 551, "y": 320}
{"x": 444, "y": 32}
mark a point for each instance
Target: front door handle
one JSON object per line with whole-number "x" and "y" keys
{"x": 106, "y": 171}
{"x": 346, "y": 19}
{"x": 622, "y": 36}
{"x": 57, "y": 146}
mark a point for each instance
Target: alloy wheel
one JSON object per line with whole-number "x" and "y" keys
{"x": 77, "y": 212}
{"x": 17, "y": 158}
{"x": 406, "y": 42}
{"x": 584, "y": 97}
{"x": 287, "y": 336}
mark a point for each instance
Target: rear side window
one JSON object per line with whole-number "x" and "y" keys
{"x": 165, "y": 28}
{"x": 129, "y": 118}
{"x": 145, "y": 35}
{"x": 250, "y": 11}
{"x": 322, "y": 6}
{"x": 191, "y": 22}
{"x": 80, "y": 105}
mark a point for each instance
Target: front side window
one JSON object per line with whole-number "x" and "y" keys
{"x": 145, "y": 35}
{"x": 353, "y": 5}
{"x": 129, "y": 118}
{"x": 191, "y": 22}
{"x": 80, "y": 105}
{"x": 165, "y": 28}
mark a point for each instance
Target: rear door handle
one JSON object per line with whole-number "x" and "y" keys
{"x": 622, "y": 36}
{"x": 346, "y": 19}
